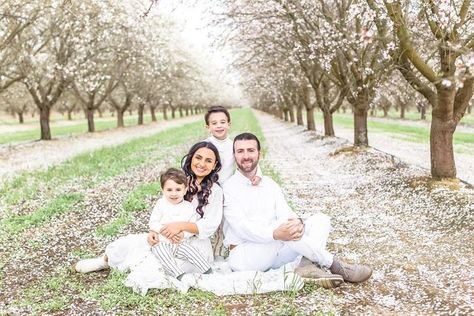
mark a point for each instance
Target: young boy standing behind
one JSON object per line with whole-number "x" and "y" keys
{"x": 218, "y": 123}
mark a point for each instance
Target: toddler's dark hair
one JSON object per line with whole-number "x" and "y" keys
{"x": 174, "y": 174}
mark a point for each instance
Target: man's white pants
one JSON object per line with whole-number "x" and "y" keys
{"x": 263, "y": 256}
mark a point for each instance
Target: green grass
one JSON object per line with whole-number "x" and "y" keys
{"x": 113, "y": 294}
{"x": 416, "y": 134}
{"x": 63, "y": 203}
{"x": 135, "y": 201}
{"x": 87, "y": 170}
{"x": 48, "y": 295}
{"x": 68, "y": 130}
{"x": 413, "y": 115}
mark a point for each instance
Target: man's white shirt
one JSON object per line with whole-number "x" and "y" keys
{"x": 252, "y": 213}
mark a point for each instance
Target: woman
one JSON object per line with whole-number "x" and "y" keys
{"x": 201, "y": 165}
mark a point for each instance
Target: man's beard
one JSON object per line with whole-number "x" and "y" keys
{"x": 247, "y": 169}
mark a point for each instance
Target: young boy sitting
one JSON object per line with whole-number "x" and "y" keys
{"x": 173, "y": 208}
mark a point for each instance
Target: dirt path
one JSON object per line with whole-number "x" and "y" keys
{"x": 419, "y": 239}
{"x": 42, "y": 154}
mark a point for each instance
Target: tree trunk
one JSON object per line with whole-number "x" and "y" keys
{"x": 310, "y": 119}
{"x": 286, "y": 115}
{"x": 181, "y": 114}
{"x": 402, "y": 111}
{"x": 469, "y": 109}
{"x": 130, "y": 112}
{"x": 360, "y": 127}
{"x": 69, "y": 115}
{"x": 165, "y": 113}
{"x": 153, "y": 115}
{"x": 441, "y": 133}
{"x": 141, "y": 108}
{"x": 90, "y": 120}
{"x": 299, "y": 115}
{"x": 120, "y": 122}
{"x": 423, "y": 112}
{"x": 441, "y": 147}
{"x": 101, "y": 113}
{"x": 385, "y": 112}
{"x": 44, "y": 123}
{"x": 20, "y": 118}
{"x": 173, "y": 112}
{"x": 292, "y": 114}
{"x": 328, "y": 124}
{"x": 187, "y": 111}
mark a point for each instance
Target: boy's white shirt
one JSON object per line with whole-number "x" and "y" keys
{"x": 165, "y": 212}
{"x": 226, "y": 154}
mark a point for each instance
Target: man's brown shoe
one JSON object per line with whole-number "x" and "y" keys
{"x": 354, "y": 273}
{"x": 309, "y": 272}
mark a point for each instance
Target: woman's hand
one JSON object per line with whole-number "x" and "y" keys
{"x": 170, "y": 230}
{"x": 153, "y": 238}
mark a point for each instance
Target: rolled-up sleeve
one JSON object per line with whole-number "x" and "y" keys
{"x": 212, "y": 218}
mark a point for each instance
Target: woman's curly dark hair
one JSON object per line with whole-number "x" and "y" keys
{"x": 206, "y": 183}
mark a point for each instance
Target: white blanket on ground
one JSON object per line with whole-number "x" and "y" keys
{"x": 146, "y": 273}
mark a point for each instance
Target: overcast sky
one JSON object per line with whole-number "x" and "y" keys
{"x": 193, "y": 18}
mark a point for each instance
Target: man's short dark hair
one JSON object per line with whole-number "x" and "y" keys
{"x": 246, "y": 136}
{"x": 216, "y": 109}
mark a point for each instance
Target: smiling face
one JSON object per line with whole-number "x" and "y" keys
{"x": 218, "y": 125}
{"x": 246, "y": 155}
{"x": 174, "y": 192}
{"x": 203, "y": 162}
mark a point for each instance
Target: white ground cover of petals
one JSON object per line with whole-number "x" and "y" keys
{"x": 42, "y": 154}
{"x": 418, "y": 238}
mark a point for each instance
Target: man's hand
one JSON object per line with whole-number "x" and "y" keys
{"x": 290, "y": 230}
{"x": 153, "y": 238}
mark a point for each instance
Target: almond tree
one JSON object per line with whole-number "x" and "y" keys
{"x": 45, "y": 61}
{"x": 439, "y": 64}
{"x": 15, "y": 18}
{"x": 95, "y": 51}
{"x": 17, "y": 100}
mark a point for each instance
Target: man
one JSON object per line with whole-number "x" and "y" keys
{"x": 262, "y": 232}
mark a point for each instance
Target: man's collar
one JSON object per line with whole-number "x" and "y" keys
{"x": 247, "y": 180}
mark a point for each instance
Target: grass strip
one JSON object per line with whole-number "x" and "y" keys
{"x": 112, "y": 295}
{"x": 67, "y": 130}
{"x": 49, "y": 295}
{"x": 63, "y": 203}
{"x": 135, "y": 201}
{"x": 415, "y": 134}
{"x": 87, "y": 170}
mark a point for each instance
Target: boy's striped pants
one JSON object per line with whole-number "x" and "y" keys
{"x": 167, "y": 252}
